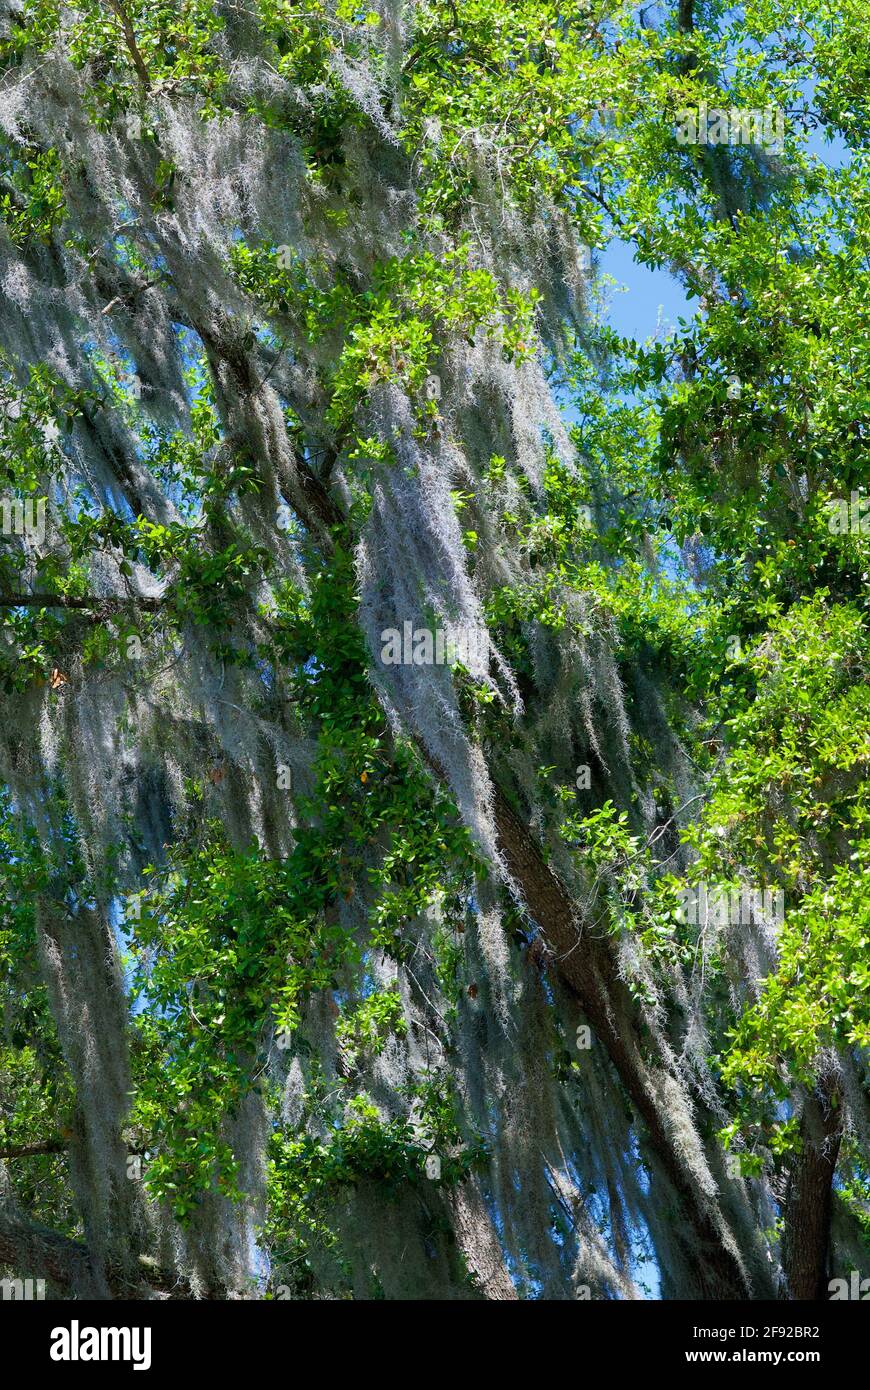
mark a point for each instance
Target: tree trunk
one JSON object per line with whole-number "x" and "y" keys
{"x": 809, "y": 1197}
{"x": 588, "y": 971}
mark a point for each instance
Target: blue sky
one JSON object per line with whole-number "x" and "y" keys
{"x": 643, "y": 298}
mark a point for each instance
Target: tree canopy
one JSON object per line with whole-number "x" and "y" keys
{"x": 434, "y": 824}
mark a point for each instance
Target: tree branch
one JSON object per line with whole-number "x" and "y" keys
{"x": 807, "y": 1225}
{"x": 33, "y": 1251}
{"x": 127, "y": 296}
{"x": 110, "y": 604}
{"x": 588, "y": 971}
{"x": 132, "y": 45}
{"x": 48, "y": 1146}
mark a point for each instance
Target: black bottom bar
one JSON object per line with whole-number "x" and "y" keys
{"x": 292, "y": 1339}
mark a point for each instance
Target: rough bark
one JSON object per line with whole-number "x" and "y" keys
{"x": 587, "y": 970}
{"x": 30, "y": 1251}
{"x": 480, "y": 1244}
{"x": 809, "y": 1197}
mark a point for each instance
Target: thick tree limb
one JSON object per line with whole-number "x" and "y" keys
{"x": 112, "y": 603}
{"x": 47, "y": 1146}
{"x": 686, "y": 16}
{"x": 480, "y": 1244}
{"x": 588, "y": 971}
{"x": 232, "y": 364}
{"x": 809, "y": 1197}
{"x": 34, "y": 1252}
